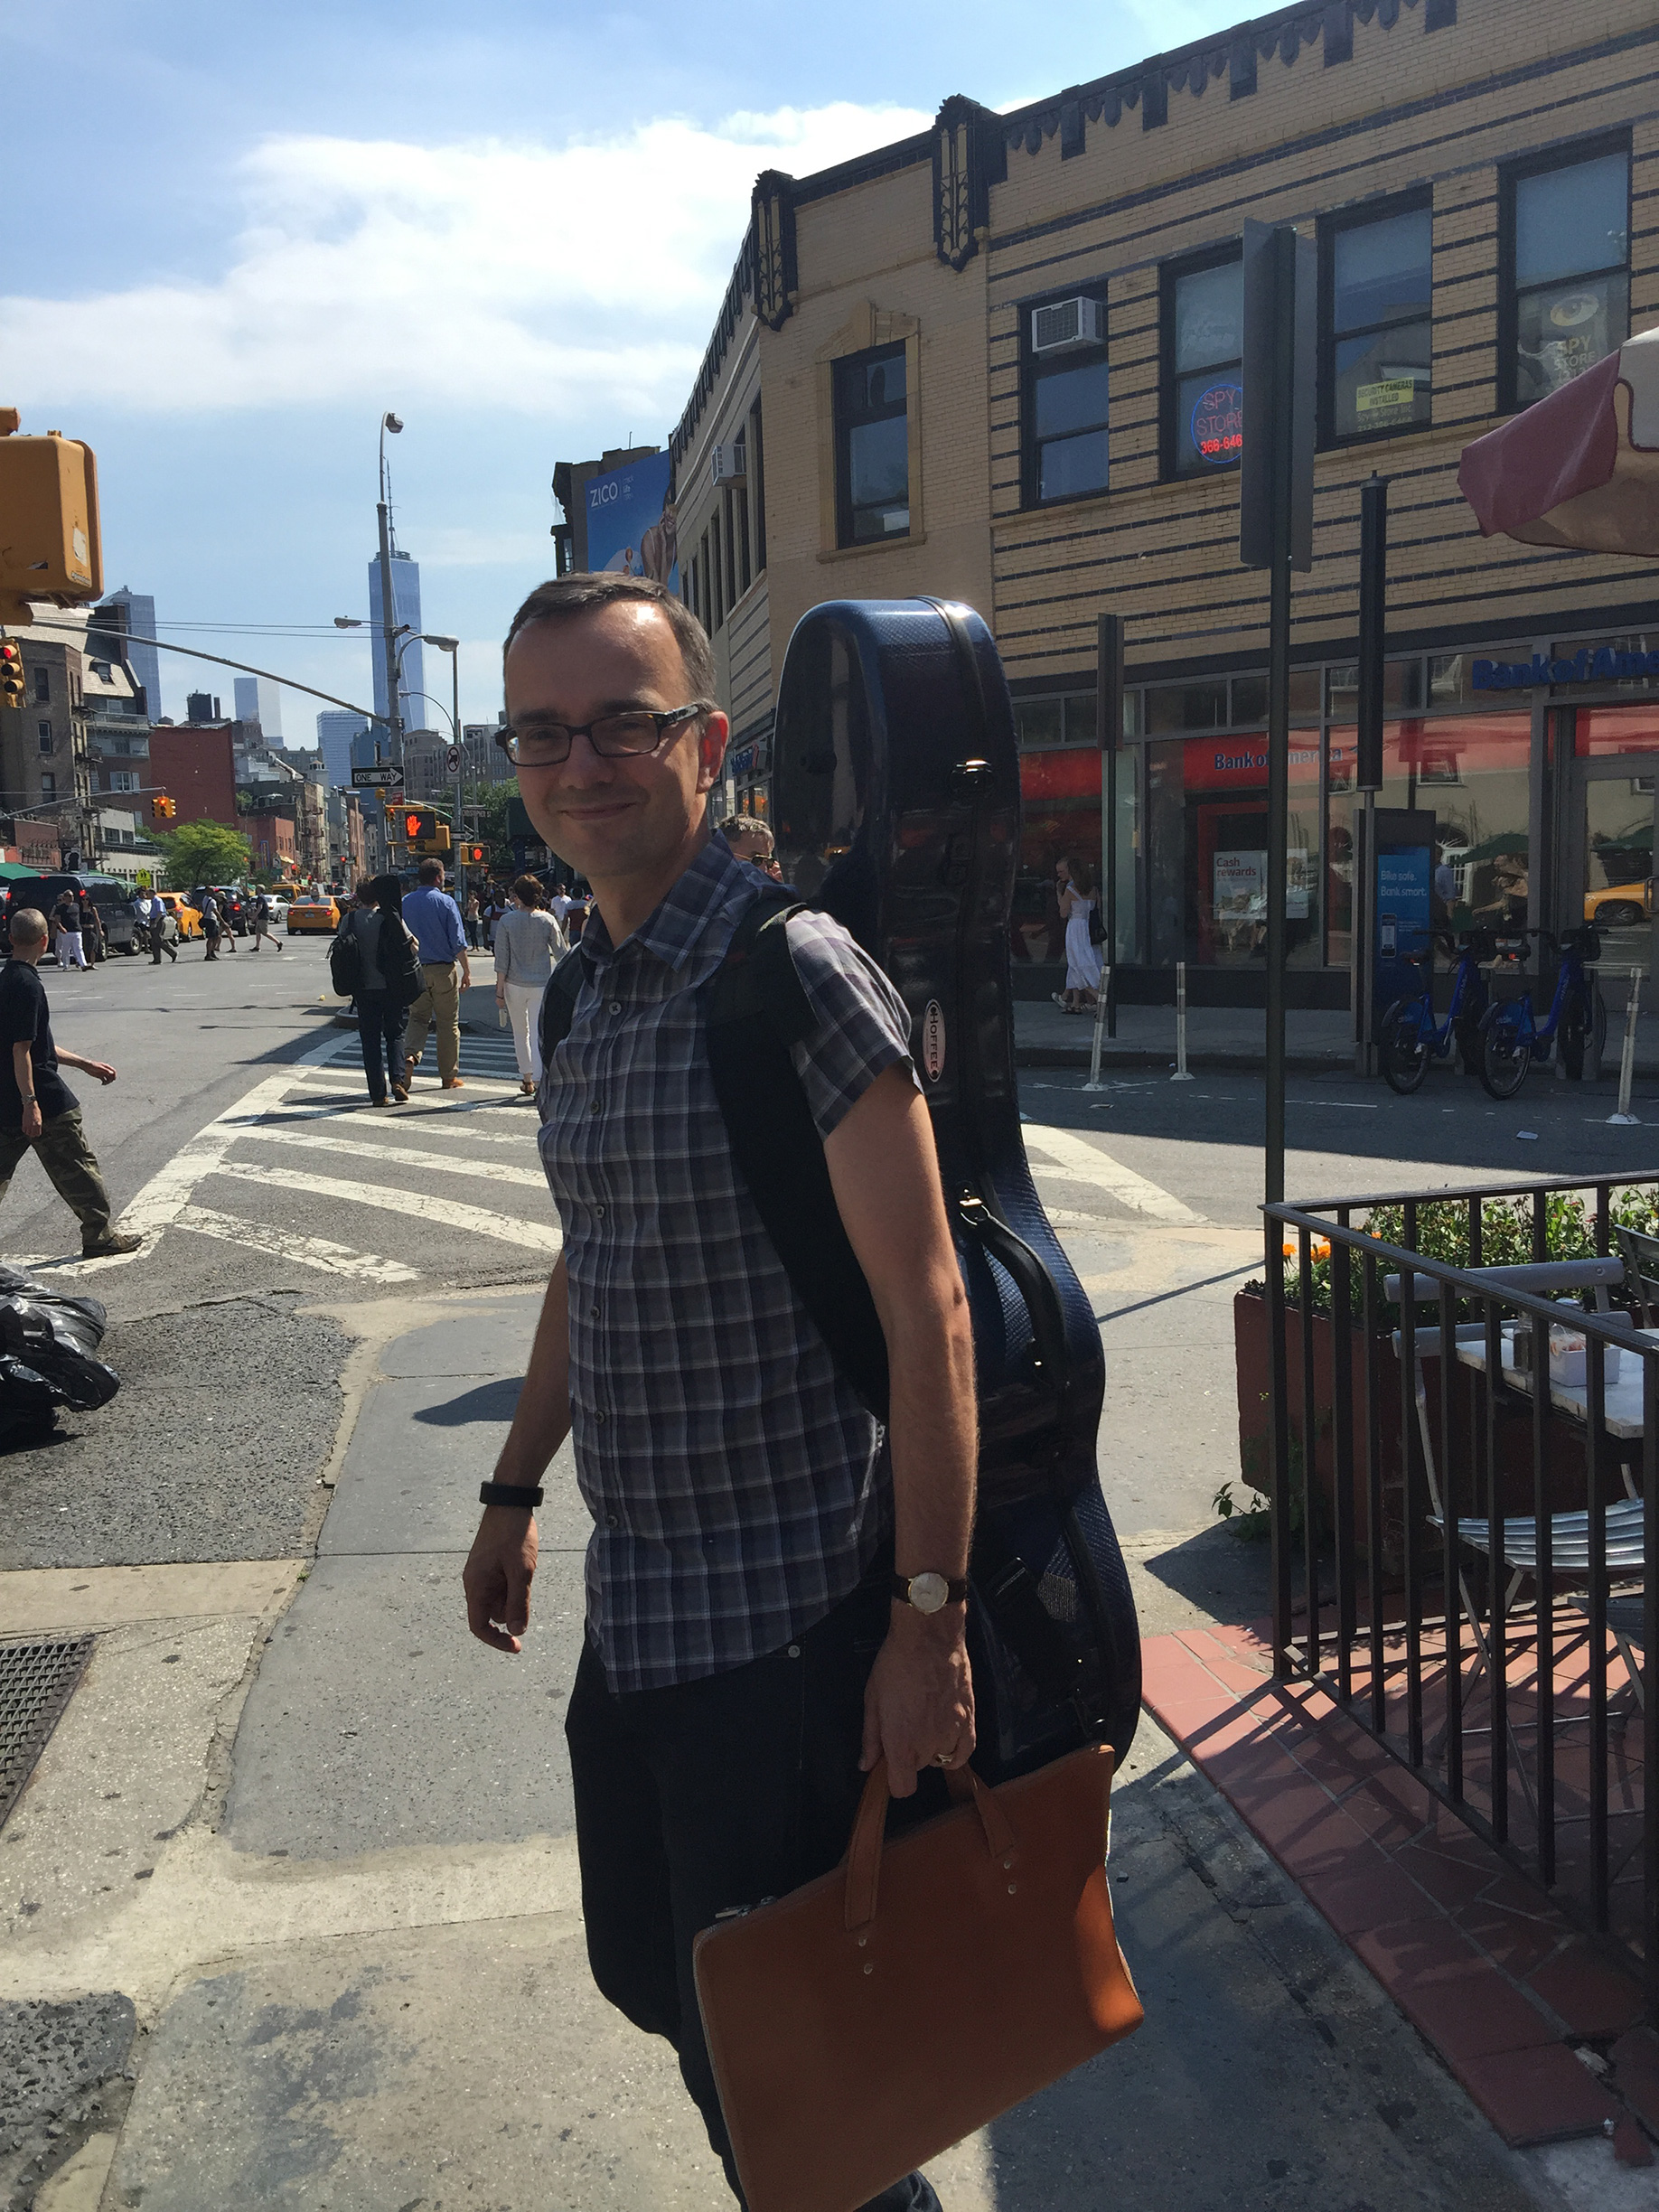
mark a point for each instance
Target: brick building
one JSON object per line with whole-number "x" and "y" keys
{"x": 1000, "y": 362}
{"x": 194, "y": 763}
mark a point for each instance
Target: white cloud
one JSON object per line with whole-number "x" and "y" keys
{"x": 546, "y": 279}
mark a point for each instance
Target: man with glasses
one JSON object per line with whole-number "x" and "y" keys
{"x": 776, "y": 1592}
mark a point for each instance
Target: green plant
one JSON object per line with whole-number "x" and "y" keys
{"x": 203, "y": 852}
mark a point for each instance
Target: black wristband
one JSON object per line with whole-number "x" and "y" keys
{"x": 509, "y": 1493}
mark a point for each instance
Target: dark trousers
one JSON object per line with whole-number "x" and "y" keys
{"x": 63, "y": 1150}
{"x": 715, "y": 1793}
{"x": 379, "y": 1032}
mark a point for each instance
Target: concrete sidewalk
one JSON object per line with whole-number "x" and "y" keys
{"x": 305, "y": 1863}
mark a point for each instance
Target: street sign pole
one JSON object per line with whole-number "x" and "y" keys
{"x": 1108, "y": 716}
{"x": 1276, "y": 534}
{"x": 1368, "y": 759}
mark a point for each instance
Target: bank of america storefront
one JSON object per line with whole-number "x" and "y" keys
{"x": 1535, "y": 759}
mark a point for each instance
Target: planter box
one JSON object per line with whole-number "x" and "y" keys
{"x": 1565, "y": 1488}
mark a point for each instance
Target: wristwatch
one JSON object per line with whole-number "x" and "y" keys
{"x": 930, "y": 1592}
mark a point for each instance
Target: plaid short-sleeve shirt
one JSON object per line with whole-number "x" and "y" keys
{"x": 737, "y": 1484}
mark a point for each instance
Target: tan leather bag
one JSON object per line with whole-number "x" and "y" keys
{"x": 866, "y": 2023}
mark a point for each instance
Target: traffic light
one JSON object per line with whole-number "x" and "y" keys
{"x": 423, "y": 832}
{"x": 10, "y": 673}
{"x": 473, "y": 856}
{"x": 49, "y": 497}
{"x": 163, "y": 809}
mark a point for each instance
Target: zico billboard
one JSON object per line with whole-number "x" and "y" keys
{"x": 631, "y": 521}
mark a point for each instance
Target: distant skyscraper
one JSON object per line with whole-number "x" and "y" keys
{"x": 143, "y": 659}
{"x": 335, "y": 731}
{"x": 258, "y": 699}
{"x": 405, "y": 608}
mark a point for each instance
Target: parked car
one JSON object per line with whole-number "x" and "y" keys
{"x": 312, "y": 913}
{"x": 111, "y": 898}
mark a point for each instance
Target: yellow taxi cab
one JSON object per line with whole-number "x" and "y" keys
{"x": 186, "y": 921}
{"x": 306, "y": 913}
{"x": 1620, "y": 904}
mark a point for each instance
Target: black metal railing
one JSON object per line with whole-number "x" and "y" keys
{"x": 1476, "y": 1525}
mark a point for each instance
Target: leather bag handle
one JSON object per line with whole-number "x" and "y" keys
{"x": 869, "y": 1832}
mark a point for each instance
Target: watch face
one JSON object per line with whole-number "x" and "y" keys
{"x": 928, "y": 1592}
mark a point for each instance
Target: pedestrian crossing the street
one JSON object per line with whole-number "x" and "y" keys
{"x": 303, "y": 1170}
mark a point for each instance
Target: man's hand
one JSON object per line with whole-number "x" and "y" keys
{"x": 918, "y": 1703}
{"x": 31, "y": 1119}
{"x": 100, "y": 1068}
{"x": 498, "y": 1574}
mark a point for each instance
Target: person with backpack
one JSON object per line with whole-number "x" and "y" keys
{"x": 262, "y": 923}
{"x": 375, "y": 960}
{"x": 777, "y": 1587}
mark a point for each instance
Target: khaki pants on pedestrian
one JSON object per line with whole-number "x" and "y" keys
{"x": 439, "y": 1008}
{"x": 63, "y": 1150}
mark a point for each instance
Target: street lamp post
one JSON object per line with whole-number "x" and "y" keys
{"x": 394, "y": 720}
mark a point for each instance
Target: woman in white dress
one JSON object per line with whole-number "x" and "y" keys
{"x": 1074, "y": 883}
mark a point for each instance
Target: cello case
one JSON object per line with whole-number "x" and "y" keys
{"x": 897, "y": 809}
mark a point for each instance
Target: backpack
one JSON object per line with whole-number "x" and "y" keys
{"x": 757, "y": 1008}
{"x": 345, "y": 962}
{"x": 1097, "y": 925}
{"x": 398, "y": 961}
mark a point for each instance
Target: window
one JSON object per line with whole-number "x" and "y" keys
{"x": 44, "y": 731}
{"x": 1065, "y": 418}
{"x": 1203, "y": 343}
{"x": 740, "y": 516}
{"x": 123, "y": 779}
{"x": 42, "y": 686}
{"x": 48, "y": 784}
{"x": 1565, "y": 271}
{"x": 716, "y": 578}
{"x": 734, "y": 582}
{"x": 872, "y": 447}
{"x": 757, "y": 488}
{"x": 1374, "y": 296}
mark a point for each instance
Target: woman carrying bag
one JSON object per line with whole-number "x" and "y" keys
{"x": 375, "y": 959}
{"x": 528, "y": 940}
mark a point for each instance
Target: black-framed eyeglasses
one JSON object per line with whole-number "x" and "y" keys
{"x": 546, "y": 745}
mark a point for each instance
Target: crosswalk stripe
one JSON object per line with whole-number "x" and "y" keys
{"x": 413, "y": 1205}
{"x": 430, "y": 1121}
{"x": 282, "y": 1244}
{"x": 343, "y": 1079}
{"x": 394, "y": 1155}
{"x": 158, "y": 1204}
{"x": 1079, "y": 1161}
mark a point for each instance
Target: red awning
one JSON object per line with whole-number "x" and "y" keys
{"x": 1580, "y": 468}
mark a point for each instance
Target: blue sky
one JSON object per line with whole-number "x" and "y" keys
{"x": 511, "y": 223}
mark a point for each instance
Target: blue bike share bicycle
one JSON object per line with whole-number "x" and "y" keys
{"x": 1512, "y": 1036}
{"x": 1409, "y": 1038}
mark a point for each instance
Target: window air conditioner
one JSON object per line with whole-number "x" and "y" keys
{"x": 729, "y": 464}
{"x": 1065, "y": 324}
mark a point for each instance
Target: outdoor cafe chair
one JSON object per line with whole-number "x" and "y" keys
{"x": 1517, "y": 1543}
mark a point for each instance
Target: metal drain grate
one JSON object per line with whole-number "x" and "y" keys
{"x": 36, "y": 1682}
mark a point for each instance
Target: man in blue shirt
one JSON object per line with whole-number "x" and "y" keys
{"x": 435, "y": 920}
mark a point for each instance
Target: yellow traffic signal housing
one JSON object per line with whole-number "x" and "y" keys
{"x": 10, "y": 673}
{"x": 50, "y": 547}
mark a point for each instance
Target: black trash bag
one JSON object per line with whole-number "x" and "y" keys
{"x": 49, "y": 1344}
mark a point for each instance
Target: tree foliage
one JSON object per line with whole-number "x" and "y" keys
{"x": 203, "y": 852}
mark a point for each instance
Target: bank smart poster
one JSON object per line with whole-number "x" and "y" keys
{"x": 631, "y": 521}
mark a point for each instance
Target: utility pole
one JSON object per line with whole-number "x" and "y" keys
{"x": 388, "y": 619}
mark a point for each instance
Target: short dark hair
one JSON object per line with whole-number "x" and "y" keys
{"x": 431, "y": 870}
{"x": 562, "y": 598}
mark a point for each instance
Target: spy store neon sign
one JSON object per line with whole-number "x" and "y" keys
{"x": 1218, "y": 422}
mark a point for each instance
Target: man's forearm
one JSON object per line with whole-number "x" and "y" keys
{"x": 23, "y": 1070}
{"x": 933, "y": 1431}
{"x": 542, "y": 1421}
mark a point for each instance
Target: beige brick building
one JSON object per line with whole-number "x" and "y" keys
{"x": 1000, "y": 362}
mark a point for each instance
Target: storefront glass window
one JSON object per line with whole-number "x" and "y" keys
{"x": 1249, "y": 698}
{"x": 1062, "y": 804}
{"x": 1171, "y": 707}
{"x": 1473, "y": 776}
{"x": 1604, "y": 730}
{"x": 1452, "y": 676}
{"x": 1403, "y": 688}
{"x": 1206, "y": 820}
